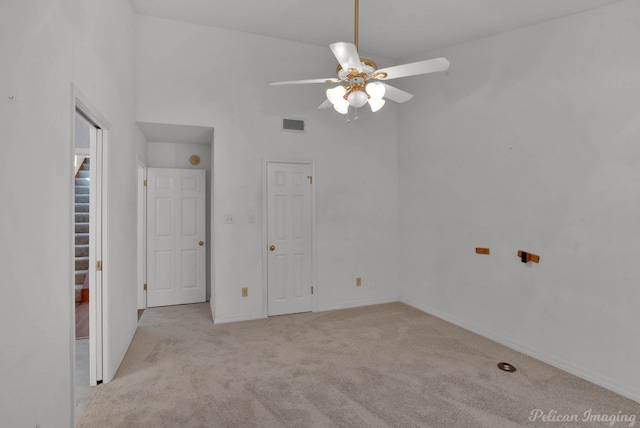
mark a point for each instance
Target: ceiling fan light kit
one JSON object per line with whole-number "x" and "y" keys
{"x": 357, "y": 94}
{"x": 359, "y": 77}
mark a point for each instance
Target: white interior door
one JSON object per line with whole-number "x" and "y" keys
{"x": 176, "y": 231}
{"x": 289, "y": 277}
{"x": 96, "y": 296}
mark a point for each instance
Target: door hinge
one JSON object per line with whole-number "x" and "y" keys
{"x": 312, "y": 289}
{"x": 145, "y": 183}
{"x": 145, "y": 287}
{"x": 99, "y": 266}
{"x": 310, "y": 177}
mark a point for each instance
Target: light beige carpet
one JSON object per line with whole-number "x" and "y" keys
{"x": 377, "y": 366}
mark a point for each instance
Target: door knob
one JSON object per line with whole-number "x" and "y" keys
{"x": 272, "y": 248}
{"x": 201, "y": 243}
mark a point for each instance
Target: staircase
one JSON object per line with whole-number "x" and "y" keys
{"x": 81, "y": 238}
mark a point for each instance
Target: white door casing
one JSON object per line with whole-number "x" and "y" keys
{"x": 101, "y": 307}
{"x": 289, "y": 227}
{"x": 142, "y": 236}
{"x": 176, "y": 231}
{"x": 96, "y": 259}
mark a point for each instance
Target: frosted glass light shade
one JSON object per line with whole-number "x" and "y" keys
{"x": 376, "y": 104}
{"x": 341, "y": 107}
{"x": 357, "y": 99}
{"x": 375, "y": 90}
{"x": 335, "y": 95}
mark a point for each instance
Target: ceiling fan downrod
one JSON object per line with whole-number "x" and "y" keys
{"x": 355, "y": 24}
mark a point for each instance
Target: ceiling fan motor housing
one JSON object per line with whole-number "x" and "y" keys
{"x": 368, "y": 67}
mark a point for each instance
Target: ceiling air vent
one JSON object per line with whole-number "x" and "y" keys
{"x": 293, "y": 125}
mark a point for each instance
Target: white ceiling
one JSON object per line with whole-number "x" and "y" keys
{"x": 392, "y": 29}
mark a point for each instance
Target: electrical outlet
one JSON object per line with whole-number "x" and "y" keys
{"x": 358, "y": 282}
{"x": 228, "y": 218}
{"x": 252, "y": 218}
{"x": 245, "y": 291}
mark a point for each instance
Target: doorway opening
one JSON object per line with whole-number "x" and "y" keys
{"x": 89, "y": 137}
{"x": 83, "y": 129}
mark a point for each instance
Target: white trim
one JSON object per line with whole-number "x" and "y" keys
{"x": 96, "y": 353}
{"x": 359, "y": 303}
{"x": 91, "y": 113}
{"x": 350, "y": 305}
{"x": 141, "y": 226}
{"x": 225, "y": 320}
{"x": 99, "y": 343}
{"x": 552, "y": 360}
{"x": 212, "y": 235}
{"x": 314, "y": 270}
{"x": 107, "y": 372}
{"x": 314, "y": 245}
{"x": 71, "y": 274}
{"x": 265, "y": 290}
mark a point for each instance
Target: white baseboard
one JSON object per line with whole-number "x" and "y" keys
{"x": 552, "y": 360}
{"x": 378, "y": 301}
{"x": 358, "y": 303}
{"x": 238, "y": 318}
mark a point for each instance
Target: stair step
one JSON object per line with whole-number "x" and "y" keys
{"x": 82, "y": 263}
{"x": 80, "y": 276}
{"x": 82, "y": 251}
{"x": 82, "y": 238}
{"x": 82, "y": 217}
{"x": 82, "y": 198}
{"x": 82, "y": 228}
{"x": 82, "y": 207}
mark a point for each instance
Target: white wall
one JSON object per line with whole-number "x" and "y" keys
{"x": 531, "y": 142}
{"x": 189, "y": 74}
{"x": 46, "y": 46}
{"x": 173, "y": 155}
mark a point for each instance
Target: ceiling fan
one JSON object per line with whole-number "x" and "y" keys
{"x": 360, "y": 80}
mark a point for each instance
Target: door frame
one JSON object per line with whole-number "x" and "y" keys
{"x": 265, "y": 237}
{"x": 142, "y": 235}
{"x": 98, "y": 304}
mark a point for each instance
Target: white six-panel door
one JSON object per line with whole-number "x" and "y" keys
{"x": 289, "y": 276}
{"x": 176, "y": 269}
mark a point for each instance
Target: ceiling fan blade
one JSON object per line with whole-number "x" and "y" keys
{"x": 414, "y": 68}
{"x": 395, "y": 94}
{"x": 347, "y": 55}
{"x": 325, "y": 104}
{"x": 301, "y": 82}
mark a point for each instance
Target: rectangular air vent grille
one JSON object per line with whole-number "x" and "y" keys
{"x": 292, "y": 125}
